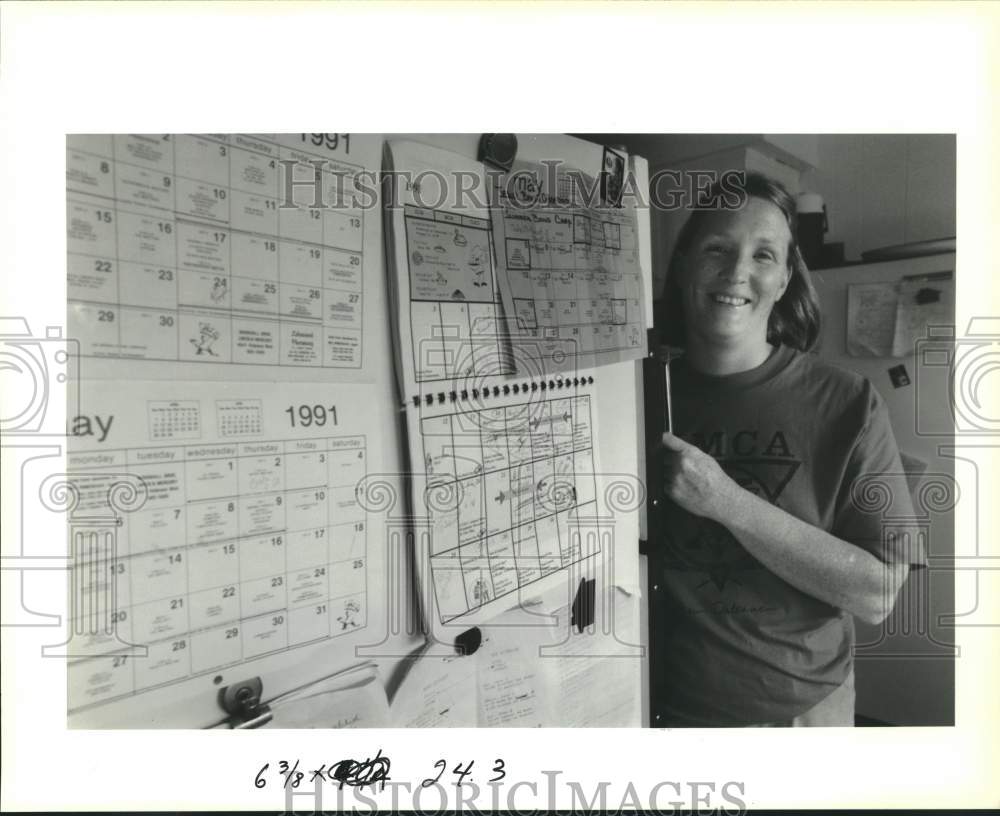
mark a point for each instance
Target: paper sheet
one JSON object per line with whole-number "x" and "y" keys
{"x": 437, "y": 692}
{"x": 926, "y": 300}
{"x": 591, "y": 683}
{"x": 212, "y": 525}
{"x": 887, "y": 319}
{"x": 568, "y": 269}
{"x": 871, "y": 319}
{"x": 533, "y": 676}
{"x": 441, "y": 276}
{"x": 510, "y": 692}
{"x": 504, "y": 489}
{"x": 182, "y": 248}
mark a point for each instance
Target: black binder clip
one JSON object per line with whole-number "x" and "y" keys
{"x": 242, "y": 703}
{"x": 582, "y": 614}
{"x": 498, "y": 150}
{"x": 469, "y": 641}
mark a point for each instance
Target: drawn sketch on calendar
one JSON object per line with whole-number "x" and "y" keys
{"x": 454, "y": 309}
{"x": 441, "y": 272}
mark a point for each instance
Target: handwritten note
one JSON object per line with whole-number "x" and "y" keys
{"x": 437, "y": 692}
{"x": 871, "y": 319}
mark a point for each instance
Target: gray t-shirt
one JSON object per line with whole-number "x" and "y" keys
{"x": 740, "y": 645}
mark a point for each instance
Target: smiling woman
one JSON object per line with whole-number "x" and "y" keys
{"x": 731, "y": 278}
{"x": 765, "y": 554}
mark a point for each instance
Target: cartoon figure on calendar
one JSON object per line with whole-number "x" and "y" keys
{"x": 481, "y": 592}
{"x": 459, "y": 239}
{"x": 351, "y": 610}
{"x": 477, "y": 262}
{"x": 208, "y": 335}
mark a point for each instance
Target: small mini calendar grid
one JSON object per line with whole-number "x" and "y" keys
{"x": 179, "y": 419}
{"x": 238, "y": 417}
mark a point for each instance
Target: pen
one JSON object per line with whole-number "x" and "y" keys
{"x": 666, "y": 387}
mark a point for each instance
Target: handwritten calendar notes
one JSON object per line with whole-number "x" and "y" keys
{"x": 569, "y": 272}
{"x": 441, "y": 271}
{"x": 449, "y": 256}
{"x": 505, "y": 489}
{"x": 454, "y": 314}
{"x": 230, "y": 549}
{"x": 183, "y": 247}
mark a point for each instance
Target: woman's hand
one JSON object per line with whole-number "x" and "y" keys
{"x": 694, "y": 480}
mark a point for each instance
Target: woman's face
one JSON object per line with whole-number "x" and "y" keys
{"x": 734, "y": 272}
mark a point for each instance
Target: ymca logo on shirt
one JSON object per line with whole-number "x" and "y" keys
{"x": 760, "y": 463}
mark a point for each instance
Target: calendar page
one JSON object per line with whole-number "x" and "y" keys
{"x": 505, "y": 497}
{"x": 568, "y": 268}
{"x": 213, "y": 526}
{"x": 446, "y": 306}
{"x": 223, "y": 249}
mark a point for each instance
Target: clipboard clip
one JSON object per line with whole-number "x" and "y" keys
{"x": 242, "y": 702}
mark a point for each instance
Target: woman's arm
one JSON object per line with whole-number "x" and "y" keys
{"x": 810, "y": 559}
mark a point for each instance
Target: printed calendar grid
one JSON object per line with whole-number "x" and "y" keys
{"x": 195, "y": 611}
{"x": 285, "y": 316}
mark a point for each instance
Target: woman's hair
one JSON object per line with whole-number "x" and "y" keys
{"x": 795, "y": 318}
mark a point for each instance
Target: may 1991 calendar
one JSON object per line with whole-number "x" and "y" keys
{"x": 211, "y": 525}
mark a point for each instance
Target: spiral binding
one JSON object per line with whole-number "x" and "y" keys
{"x": 465, "y": 395}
